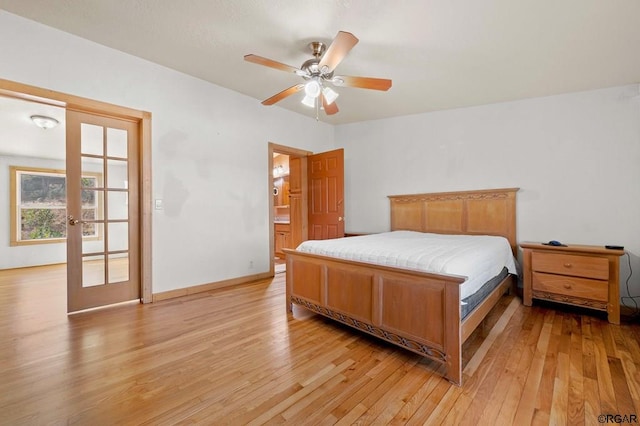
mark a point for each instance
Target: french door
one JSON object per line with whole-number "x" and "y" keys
{"x": 103, "y": 253}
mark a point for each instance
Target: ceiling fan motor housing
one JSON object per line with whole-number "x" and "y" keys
{"x": 311, "y": 67}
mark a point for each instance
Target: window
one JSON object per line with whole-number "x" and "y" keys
{"x": 39, "y": 205}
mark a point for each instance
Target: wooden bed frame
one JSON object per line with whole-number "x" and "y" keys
{"x": 416, "y": 310}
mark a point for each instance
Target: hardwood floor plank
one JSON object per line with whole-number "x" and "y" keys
{"x": 487, "y": 391}
{"x": 352, "y": 416}
{"x": 417, "y": 399}
{"x": 430, "y": 404}
{"x": 624, "y": 399}
{"x": 303, "y": 392}
{"x": 541, "y": 418}
{"x": 233, "y": 356}
{"x": 527, "y": 403}
{"x": 575, "y": 402}
{"x": 377, "y": 375}
{"x": 390, "y": 405}
{"x": 473, "y": 364}
{"x": 632, "y": 376}
{"x": 605, "y": 383}
{"x": 619, "y": 342}
{"x": 589, "y": 369}
{"x": 591, "y": 401}
{"x": 544, "y": 396}
{"x": 379, "y": 400}
{"x": 325, "y": 401}
{"x": 608, "y": 340}
{"x": 523, "y": 359}
{"x": 269, "y": 389}
{"x": 560, "y": 397}
{"x": 632, "y": 343}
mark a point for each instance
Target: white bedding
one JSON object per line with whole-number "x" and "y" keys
{"x": 477, "y": 257}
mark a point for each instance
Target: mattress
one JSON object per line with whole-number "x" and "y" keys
{"x": 468, "y": 304}
{"x": 479, "y": 258}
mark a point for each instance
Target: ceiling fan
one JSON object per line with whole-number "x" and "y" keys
{"x": 318, "y": 74}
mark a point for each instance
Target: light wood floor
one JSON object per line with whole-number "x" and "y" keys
{"x": 232, "y": 356}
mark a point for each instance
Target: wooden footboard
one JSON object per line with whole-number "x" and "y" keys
{"x": 416, "y": 310}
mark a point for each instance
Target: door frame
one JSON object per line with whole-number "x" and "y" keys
{"x": 291, "y": 152}
{"x": 143, "y": 118}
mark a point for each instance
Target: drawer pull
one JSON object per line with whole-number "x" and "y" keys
{"x": 567, "y": 286}
{"x": 568, "y": 265}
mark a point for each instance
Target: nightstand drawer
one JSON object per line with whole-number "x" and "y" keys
{"x": 571, "y": 286}
{"x": 567, "y": 264}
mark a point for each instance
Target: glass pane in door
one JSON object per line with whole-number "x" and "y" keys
{"x": 91, "y": 167}
{"x": 118, "y": 268}
{"x": 96, "y": 243}
{"x": 117, "y": 174}
{"x": 117, "y": 143}
{"x": 118, "y": 236}
{"x": 91, "y": 139}
{"x": 118, "y": 205}
{"x": 93, "y": 269}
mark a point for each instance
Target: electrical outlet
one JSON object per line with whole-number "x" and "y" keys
{"x": 159, "y": 204}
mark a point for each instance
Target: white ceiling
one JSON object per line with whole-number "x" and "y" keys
{"x": 19, "y": 136}
{"x": 440, "y": 54}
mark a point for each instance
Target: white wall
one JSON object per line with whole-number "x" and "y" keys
{"x": 575, "y": 158}
{"x": 209, "y": 148}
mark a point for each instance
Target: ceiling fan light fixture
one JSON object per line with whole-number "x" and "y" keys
{"x": 312, "y": 88}
{"x": 330, "y": 95}
{"x": 318, "y": 73}
{"x": 44, "y": 122}
{"x": 309, "y": 101}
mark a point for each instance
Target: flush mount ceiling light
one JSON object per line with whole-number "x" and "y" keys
{"x": 44, "y": 122}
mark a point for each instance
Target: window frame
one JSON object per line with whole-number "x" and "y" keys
{"x": 15, "y": 207}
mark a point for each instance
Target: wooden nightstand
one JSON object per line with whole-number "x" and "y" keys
{"x": 576, "y": 275}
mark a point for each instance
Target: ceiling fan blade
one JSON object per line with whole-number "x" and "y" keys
{"x": 270, "y": 63}
{"x": 362, "y": 82}
{"x": 329, "y": 109}
{"x": 280, "y": 96}
{"x": 340, "y": 46}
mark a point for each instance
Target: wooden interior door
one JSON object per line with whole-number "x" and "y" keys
{"x": 103, "y": 252}
{"x": 326, "y": 195}
{"x": 297, "y": 198}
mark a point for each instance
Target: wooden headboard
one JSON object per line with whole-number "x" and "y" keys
{"x": 481, "y": 212}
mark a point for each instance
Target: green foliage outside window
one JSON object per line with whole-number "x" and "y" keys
{"x": 42, "y": 205}
{"x": 43, "y": 223}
